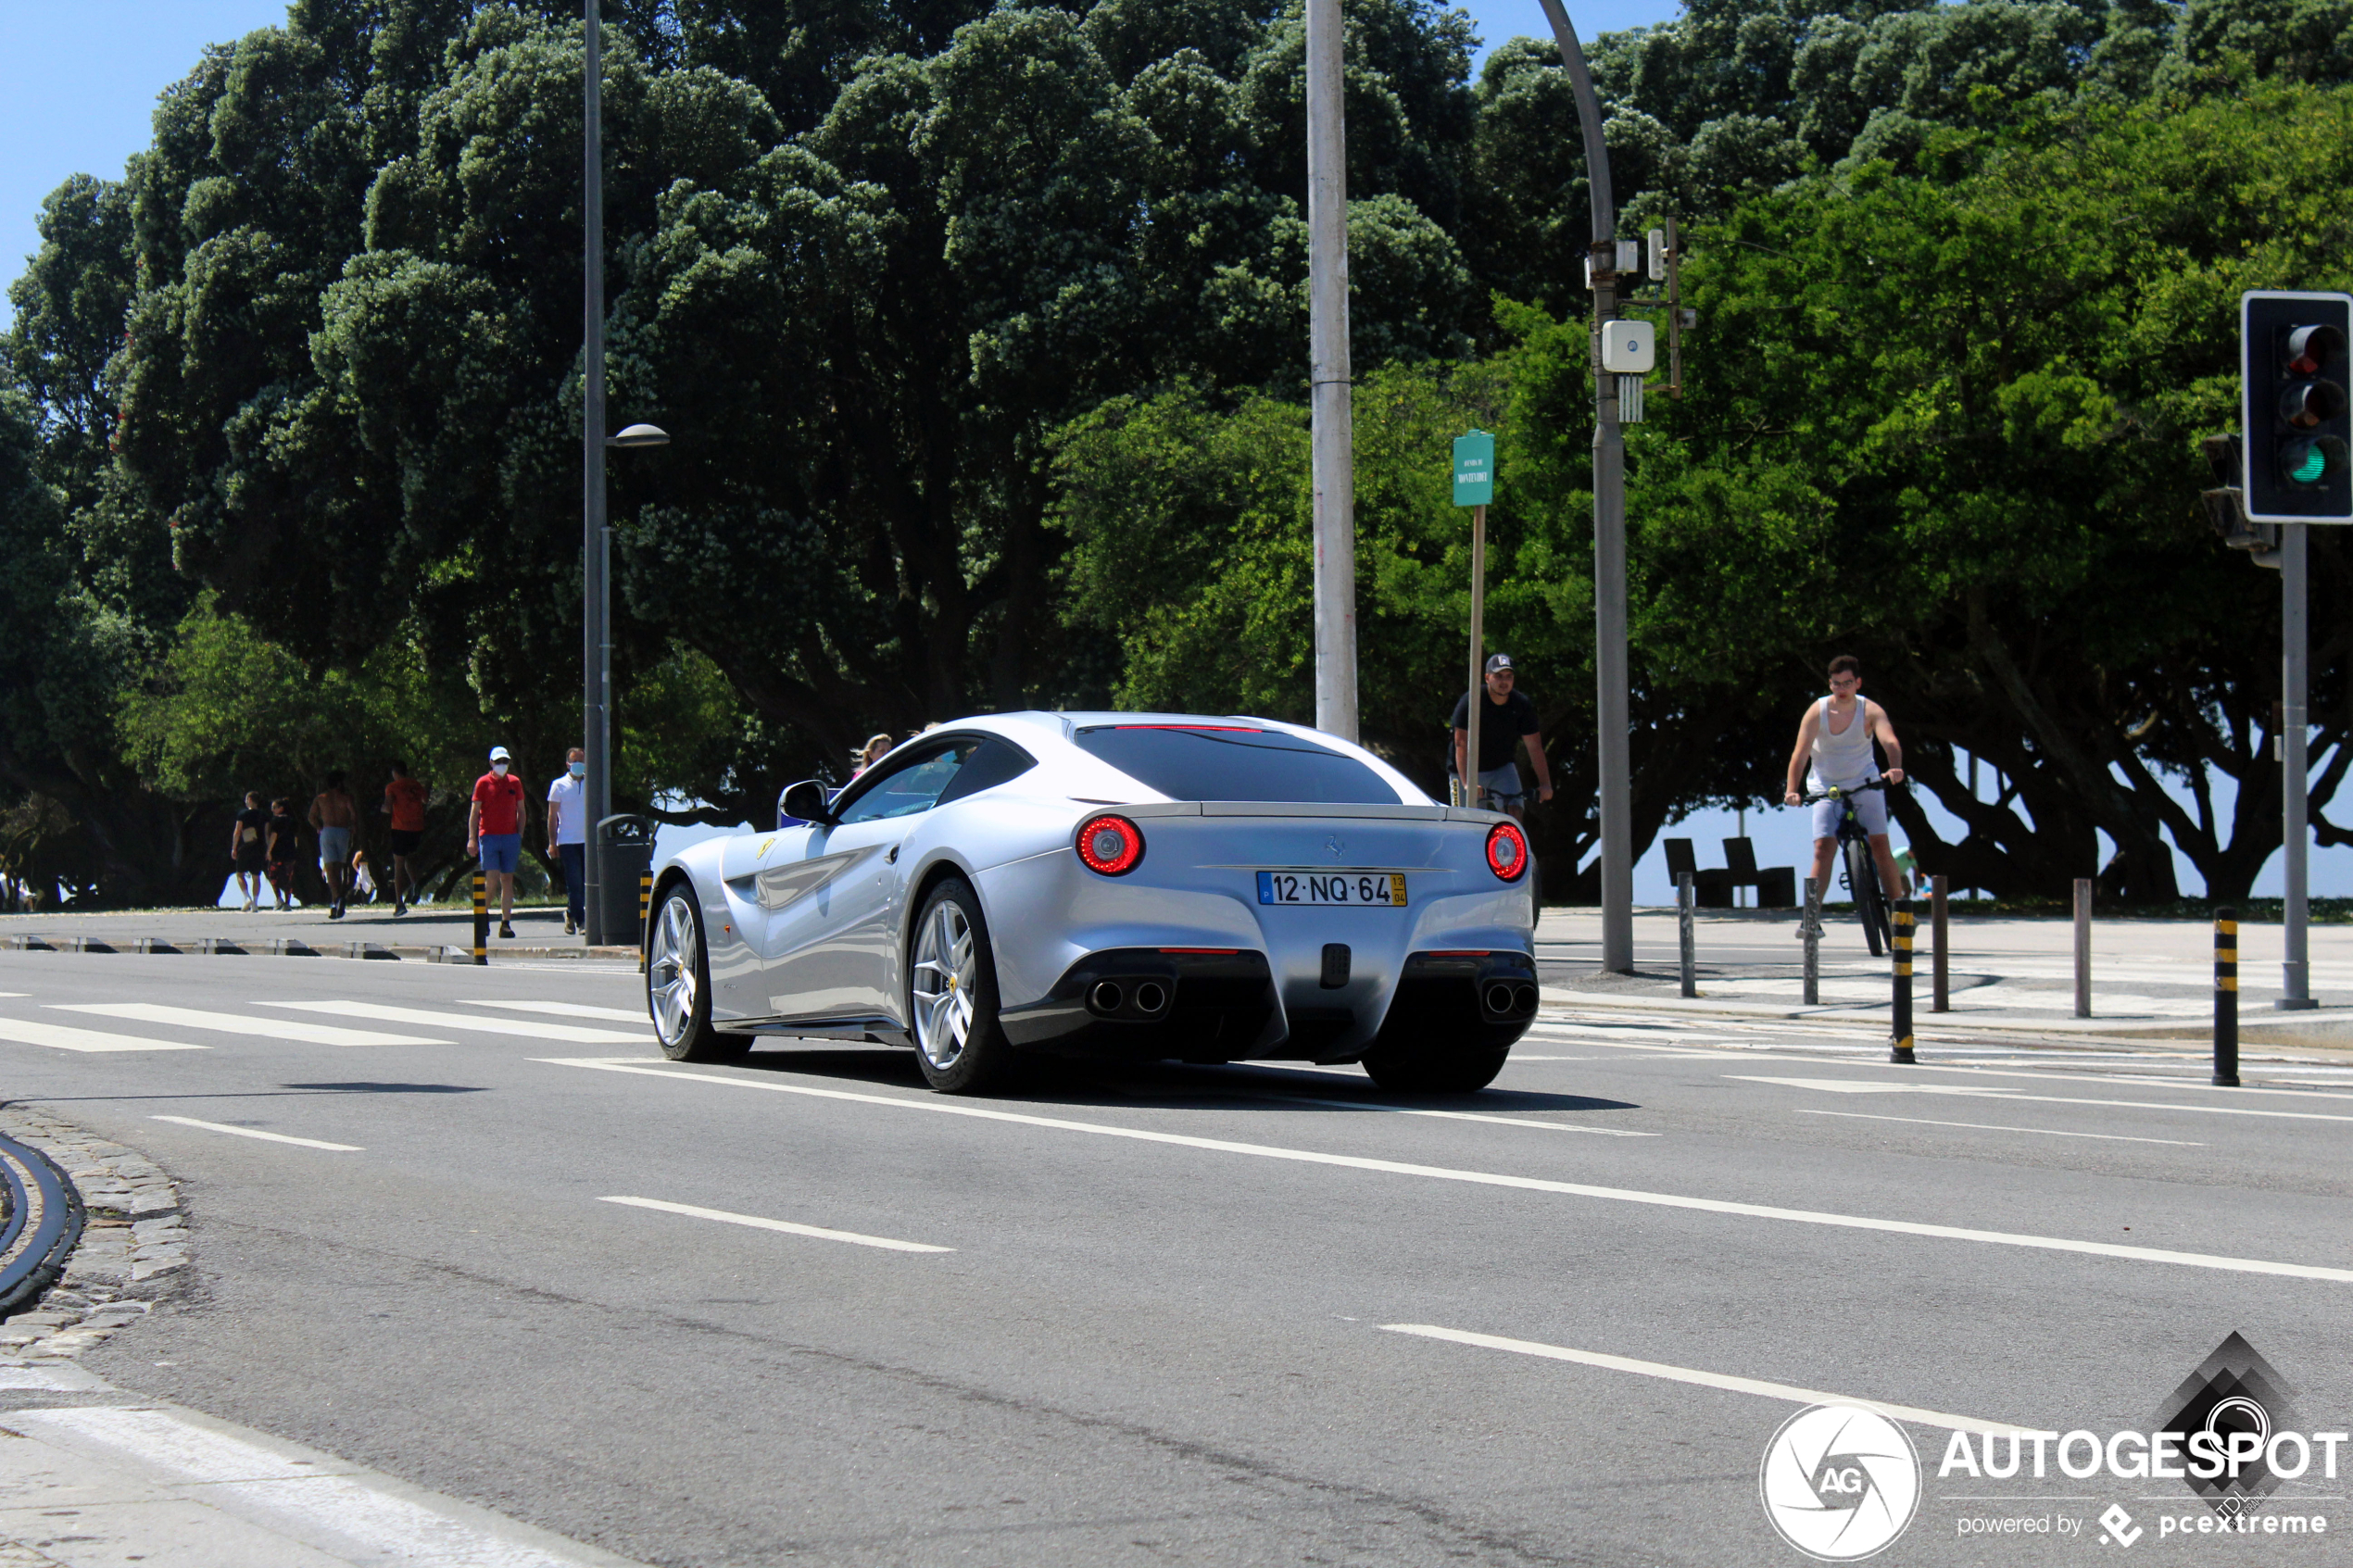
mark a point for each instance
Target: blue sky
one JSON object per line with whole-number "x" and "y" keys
{"x": 78, "y": 80}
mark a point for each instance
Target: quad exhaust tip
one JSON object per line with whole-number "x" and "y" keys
{"x": 1144, "y": 998}
{"x": 1511, "y": 1001}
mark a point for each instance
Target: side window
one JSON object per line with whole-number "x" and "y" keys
{"x": 992, "y": 764}
{"x": 911, "y": 787}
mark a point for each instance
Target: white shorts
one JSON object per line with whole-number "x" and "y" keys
{"x": 1870, "y": 807}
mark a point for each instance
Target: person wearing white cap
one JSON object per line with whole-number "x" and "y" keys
{"x": 494, "y": 833}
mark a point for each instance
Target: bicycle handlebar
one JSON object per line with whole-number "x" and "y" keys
{"x": 1839, "y": 794}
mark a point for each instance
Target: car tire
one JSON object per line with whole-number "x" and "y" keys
{"x": 678, "y": 984}
{"x": 951, "y": 995}
{"x": 1437, "y": 1070}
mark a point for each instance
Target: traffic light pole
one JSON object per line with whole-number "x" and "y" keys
{"x": 1611, "y": 742}
{"x": 2296, "y": 984}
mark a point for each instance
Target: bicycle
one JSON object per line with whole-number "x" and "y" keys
{"x": 1857, "y": 870}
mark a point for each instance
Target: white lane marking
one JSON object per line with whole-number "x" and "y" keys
{"x": 257, "y": 1132}
{"x": 237, "y": 1024}
{"x": 1460, "y": 1116}
{"x": 28, "y": 1032}
{"x": 571, "y": 1033}
{"x": 1517, "y": 1057}
{"x": 2011, "y": 1097}
{"x": 1488, "y": 1178}
{"x": 754, "y": 1220}
{"x": 1712, "y": 1379}
{"x": 391, "y": 1528}
{"x": 1990, "y": 1127}
{"x": 564, "y": 1009}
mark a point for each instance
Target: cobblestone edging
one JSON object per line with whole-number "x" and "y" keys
{"x": 133, "y": 1250}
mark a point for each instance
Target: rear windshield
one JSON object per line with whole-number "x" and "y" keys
{"x": 1206, "y": 762}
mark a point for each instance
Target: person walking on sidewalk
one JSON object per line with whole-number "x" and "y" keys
{"x": 494, "y": 834}
{"x": 1834, "y": 752}
{"x": 281, "y": 841}
{"x": 1506, "y": 716}
{"x": 405, "y": 803}
{"x": 568, "y": 831}
{"x": 336, "y": 816}
{"x": 248, "y": 853}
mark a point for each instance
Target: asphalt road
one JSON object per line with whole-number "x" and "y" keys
{"x": 1169, "y": 1320}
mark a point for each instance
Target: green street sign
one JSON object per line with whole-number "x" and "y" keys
{"x": 1474, "y": 469}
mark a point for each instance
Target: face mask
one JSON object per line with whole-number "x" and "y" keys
{"x": 577, "y": 770}
{"x": 500, "y": 768}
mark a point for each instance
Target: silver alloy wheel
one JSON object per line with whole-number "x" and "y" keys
{"x": 671, "y": 972}
{"x": 947, "y": 968}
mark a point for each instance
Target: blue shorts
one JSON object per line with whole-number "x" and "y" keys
{"x": 335, "y": 847}
{"x": 501, "y": 851}
{"x": 1504, "y": 784}
{"x": 1870, "y": 808}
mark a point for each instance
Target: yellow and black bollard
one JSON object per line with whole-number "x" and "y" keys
{"x": 645, "y": 907}
{"x": 481, "y": 918}
{"x": 2226, "y": 997}
{"x": 1901, "y": 922}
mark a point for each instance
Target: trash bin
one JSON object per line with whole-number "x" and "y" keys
{"x": 625, "y": 850}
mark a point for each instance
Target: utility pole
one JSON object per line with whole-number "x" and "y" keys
{"x": 1610, "y": 677}
{"x": 2296, "y": 981}
{"x": 595, "y": 538}
{"x": 1332, "y": 438}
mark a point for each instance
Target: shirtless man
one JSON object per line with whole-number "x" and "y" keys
{"x": 1834, "y": 752}
{"x": 337, "y": 816}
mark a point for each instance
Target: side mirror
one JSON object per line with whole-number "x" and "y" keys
{"x": 807, "y": 801}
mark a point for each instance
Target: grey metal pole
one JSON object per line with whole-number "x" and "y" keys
{"x": 1686, "y": 939}
{"x": 1610, "y": 665}
{"x": 1812, "y": 932}
{"x": 1332, "y": 455}
{"x": 1477, "y": 656}
{"x": 595, "y": 538}
{"x": 1940, "y": 998}
{"x": 2295, "y": 981}
{"x": 2082, "y": 946}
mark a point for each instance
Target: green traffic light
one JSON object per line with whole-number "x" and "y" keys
{"x": 2308, "y": 466}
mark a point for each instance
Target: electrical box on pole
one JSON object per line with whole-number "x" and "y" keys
{"x": 2293, "y": 419}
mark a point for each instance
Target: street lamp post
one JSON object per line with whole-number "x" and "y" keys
{"x": 596, "y": 541}
{"x": 1610, "y": 676}
{"x": 1330, "y": 398}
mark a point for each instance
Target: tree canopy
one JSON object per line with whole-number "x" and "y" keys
{"x": 980, "y": 333}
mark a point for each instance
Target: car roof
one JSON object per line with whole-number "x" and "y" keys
{"x": 1054, "y": 730}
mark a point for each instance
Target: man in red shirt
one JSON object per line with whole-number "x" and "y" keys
{"x": 494, "y": 833}
{"x": 405, "y": 803}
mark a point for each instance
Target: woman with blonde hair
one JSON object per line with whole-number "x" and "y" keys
{"x": 877, "y": 747}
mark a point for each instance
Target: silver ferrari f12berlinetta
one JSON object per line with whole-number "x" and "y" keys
{"x": 1143, "y": 886}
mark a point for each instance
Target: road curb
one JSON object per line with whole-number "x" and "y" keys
{"x": 133, "y": 1252}
{"x": 296, "y": 948}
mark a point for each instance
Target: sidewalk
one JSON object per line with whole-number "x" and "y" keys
{"x": 91, "y": 1476}
{"x": 2150, "y": 979}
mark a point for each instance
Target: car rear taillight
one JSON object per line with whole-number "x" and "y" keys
{"x": 1111, "y": 846}
{"x": 1507, "y": 851}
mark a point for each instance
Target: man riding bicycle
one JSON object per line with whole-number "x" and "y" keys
{"x": 1506, "y": 718}
{"x": 1834, "y": 752}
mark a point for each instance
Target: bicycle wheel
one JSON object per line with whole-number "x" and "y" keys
{"x": 1870, "y": 899}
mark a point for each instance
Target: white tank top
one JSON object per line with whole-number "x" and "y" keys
{"x": 1841, "y": 761}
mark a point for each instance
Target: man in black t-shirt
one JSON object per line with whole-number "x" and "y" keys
{"x": 1507, "y": 715}
{"x": 247, "y": 849}
{"x": 283, "y": 832}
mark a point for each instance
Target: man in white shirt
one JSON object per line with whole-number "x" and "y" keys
{"x": 567, "y": 832}
{"x": 1834, "y": 752}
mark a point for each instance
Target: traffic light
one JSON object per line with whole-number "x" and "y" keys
{"x": 2294, "y": 415}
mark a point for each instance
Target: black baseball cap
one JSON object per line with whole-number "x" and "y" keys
{"x": 1498, "y": 662}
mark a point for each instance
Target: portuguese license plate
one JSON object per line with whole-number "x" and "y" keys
{"x": 1385, "y": 889}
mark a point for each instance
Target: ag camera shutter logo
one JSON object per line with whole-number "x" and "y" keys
{"x": 1839, "y": 1482}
